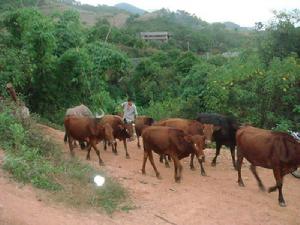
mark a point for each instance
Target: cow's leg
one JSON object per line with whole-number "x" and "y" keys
{"x": 71, "y": 147}
{"x": 201, "y": 166}
{"x": 144, "y": 161}
{"x": 167, "y": 165}
{"x": 218, "y": 147}
{"x": 161, "y": 158}
{"x": 88, "y": 151}
{"x": 232, "y": 151}
{"x": 125, "y": 146}
{"x": 114, "y": 147}
{"x": 94, "y": 144}
{"x": 192, "y": 162}
{"x": 177, "y": 169}
{"x": 138, "y": 143}
{"x": 279, "y": 181}
{"x": 239, "y": 167}
{"x": 260, "y": 184}
{"x": 116, "y": 144}
{"x": 104, "y": 144}
{"x": 153, "y": 165}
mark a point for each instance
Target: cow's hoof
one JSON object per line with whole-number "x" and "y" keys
{"x": 271, "y": 189}
{"x": 116, "y": 153}
{"x": 88, "y": 158}
{"x": 282, "y": 204}
{"x": 127, "y": 157}
{"x": 177, "y": 180}
{"x": 203, "y": 173}
{"x": 158, "y": 176}
{"x": 262, "y": 188}
{"x": 213, "y": 164}
{"x": 143, "y": 172}
{"x": 167, "y": 165}
{"x": 101, "y": 164}
{"x": 241, "y": 183}
{"x": 192, "y": 168}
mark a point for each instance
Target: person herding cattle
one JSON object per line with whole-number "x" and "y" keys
{"x": 129, "y": 110}
{"x": 129, "y": 115}
{"x": 269, "y": 149}
{"x": 173, "y": 142}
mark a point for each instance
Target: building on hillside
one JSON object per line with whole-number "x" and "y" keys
{"x": 156, "y": 36}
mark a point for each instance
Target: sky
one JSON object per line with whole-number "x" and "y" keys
{"x": 243, "y": 12}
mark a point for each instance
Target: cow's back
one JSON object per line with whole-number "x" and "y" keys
{"x": 191, "y": 127}
{"x": 80, "y": 110}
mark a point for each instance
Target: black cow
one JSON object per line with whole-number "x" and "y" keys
{"x": 224, "y": 132}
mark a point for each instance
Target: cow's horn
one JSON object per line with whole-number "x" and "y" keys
{"x": 100, "y": 116}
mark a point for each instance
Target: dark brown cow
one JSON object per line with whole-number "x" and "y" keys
{"x": 191, "y": 127}
{"x": 269, "y": 149}
{"x": 87, "y": 129}
{"x": 121, "y": 131}
{"x": 141, "y": 122}
{"x": 173, "y": 142}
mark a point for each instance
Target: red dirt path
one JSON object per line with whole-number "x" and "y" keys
{"x": 215, "y": 199}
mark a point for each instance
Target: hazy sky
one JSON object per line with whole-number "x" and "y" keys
{"x": 242, "y": 12}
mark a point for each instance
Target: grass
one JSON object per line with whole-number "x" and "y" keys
{"x": 32, "y": 158}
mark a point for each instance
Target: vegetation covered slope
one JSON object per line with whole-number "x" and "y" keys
{"x": 46, "y": 55}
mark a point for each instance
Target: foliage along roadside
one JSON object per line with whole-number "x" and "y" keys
{"x": 57, "y": 63}
{"x": 31, "y": 157}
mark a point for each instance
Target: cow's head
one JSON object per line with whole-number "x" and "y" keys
{"x": 198, "y": 142}
{"x": 130, "y": 129}
{"x": 208, "y": 130}
{"x": 123, "y": 131}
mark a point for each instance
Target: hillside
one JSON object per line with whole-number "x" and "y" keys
{"x": 130, "y": 8}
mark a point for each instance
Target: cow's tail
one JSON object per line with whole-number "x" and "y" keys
{"x": 66, "y": 138}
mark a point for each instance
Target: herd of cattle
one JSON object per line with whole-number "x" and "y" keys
{"x": 178, "y": 138}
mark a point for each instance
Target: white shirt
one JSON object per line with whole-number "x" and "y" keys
{"x": 129, "y": 112}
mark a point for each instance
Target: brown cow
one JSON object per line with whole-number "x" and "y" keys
{"x": 191, "y": 127}
{"x": 141, "y": 122}
{"x": 173, "y": 142}
{"x": 121, "y": 131}
{"x": 87, "y": 129}
{"x": 269, "y": 149}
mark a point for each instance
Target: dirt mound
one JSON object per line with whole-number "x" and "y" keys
{"x": 215, "y": 199}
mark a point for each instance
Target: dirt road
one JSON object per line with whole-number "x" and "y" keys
{"x": 215, "y": 199}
